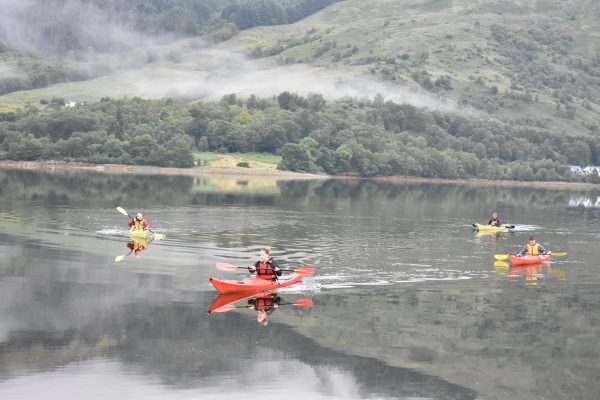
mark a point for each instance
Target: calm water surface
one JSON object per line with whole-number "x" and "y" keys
{"x": 407, "y": 301}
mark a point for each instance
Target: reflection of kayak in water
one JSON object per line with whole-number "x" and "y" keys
{"x": 261, "y": 301}
{"x": 528, "y": 259}
{"x": 224, "y": 301}
{"x": 259, "y": 284}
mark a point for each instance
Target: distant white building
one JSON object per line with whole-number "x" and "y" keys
{"x": 70, "y": 104}
{"x": 576, "y": 169}
{"x": 590, "y": 169}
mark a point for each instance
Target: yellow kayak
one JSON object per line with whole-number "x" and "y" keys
{"x": 491, "y": 228}
{"x": 140, "y": 234}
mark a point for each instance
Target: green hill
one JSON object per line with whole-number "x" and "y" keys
{"x": 537, "y": 63}
{"x": 502, "y": 89}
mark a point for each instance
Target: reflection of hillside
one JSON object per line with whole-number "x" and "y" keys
{"x": 184, "y": 347}
{"x": 514, "y": 343}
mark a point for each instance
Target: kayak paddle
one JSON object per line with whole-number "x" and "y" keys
{"x": 299, "y": 303}
{"x": 120, "y": 258}
{"x": 505, "y": 256}
{"x": 501, "y": 264}
{"x": 157, "y": 236}
{"x": 230, "y": 267}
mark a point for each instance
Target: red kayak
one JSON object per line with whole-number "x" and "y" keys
{"x": 259, "y": 284}
{"x": 528, "y": 259}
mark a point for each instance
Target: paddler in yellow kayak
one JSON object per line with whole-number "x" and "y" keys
{"x": 495, "y": 221}
{"x": 139, "y": 223}
{"x": 533, "y": 248}
{"x": 266, "y": 267}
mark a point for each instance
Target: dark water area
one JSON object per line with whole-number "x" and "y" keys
{"x": 407, "y": 302}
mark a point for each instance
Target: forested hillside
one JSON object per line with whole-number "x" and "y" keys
{"x": 364, "y": 137}
{"x": 536, "y": 63}
{"x": 512, "y": 87}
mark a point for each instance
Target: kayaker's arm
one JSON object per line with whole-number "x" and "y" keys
{"x": 542, "y": 250}
{"x": 253, "y": 268}
{"x": 275, "y": 267}
{"x": 522, "y": 252}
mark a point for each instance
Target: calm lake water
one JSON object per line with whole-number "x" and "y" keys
{"x": 407, "y": 301}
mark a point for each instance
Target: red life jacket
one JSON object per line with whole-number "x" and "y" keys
{"x": 265, "y": 270}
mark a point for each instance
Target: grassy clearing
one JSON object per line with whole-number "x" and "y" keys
{"x": 256, "y": 161}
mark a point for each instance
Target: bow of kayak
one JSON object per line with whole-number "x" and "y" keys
{"x": 259, "y": 284}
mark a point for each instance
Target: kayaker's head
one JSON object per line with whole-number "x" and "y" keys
{"x": 262, "y": 317}
{"x": 139, "y": 216}
{"x": 495, "y": 216}
{"x": 264, "y": 253}
{"x": 137, "y": 253}
{"x": 531, "y": 240}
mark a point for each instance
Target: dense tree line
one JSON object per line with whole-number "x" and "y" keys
{"x": 347, "y": 136}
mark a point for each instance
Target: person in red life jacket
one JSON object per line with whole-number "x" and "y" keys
{"x": 139, "y": 223}
{"x": 533, "y": 248}
{"x": 136, "y": 247}
{"x": 265, "y": 306}
{"x": 266, "y": 267}
{"x": 495, "y": 221}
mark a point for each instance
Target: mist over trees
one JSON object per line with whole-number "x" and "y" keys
{"x": 349, "y": 136}
{"x": 50, "y": 41}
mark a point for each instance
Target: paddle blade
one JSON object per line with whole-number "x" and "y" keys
{"x": 564, "y": 253}
{"x": 119, "y": 258}
{"x": 303, "y": 303}
{"x": 305, "y": 271}
{"x": 501, "y": 256}
{"x": 510, "y": 226}
{"x": 501, "y": 264}
{"x": 227, "y": 267}
{"x": 159, "y": 236}
{"x": 122, "y": 211}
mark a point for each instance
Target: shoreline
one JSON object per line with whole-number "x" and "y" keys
{"x": 284, "y": 175}
{"x": 149, "y": 170}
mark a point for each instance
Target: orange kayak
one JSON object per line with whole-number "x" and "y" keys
{"x": 528, "y": 259}
{"x": 259, "y": 284}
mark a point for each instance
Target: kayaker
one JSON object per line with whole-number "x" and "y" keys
{"x": 495, "y": 221}
{"x": 139, "y": 223}
{"x": 533, "y": 248}
{"x": 266, "y": 267}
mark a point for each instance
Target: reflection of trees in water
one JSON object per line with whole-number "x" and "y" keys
{"x": 341, "y": 190}
{"x": 92, "y": 189}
